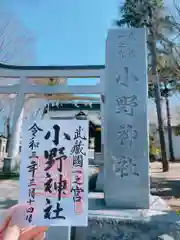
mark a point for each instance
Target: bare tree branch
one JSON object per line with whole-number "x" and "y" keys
{"x": 16, "y": 47}
{"x": 16, "y": 43}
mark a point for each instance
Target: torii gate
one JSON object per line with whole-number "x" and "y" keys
{"x": 26, "y": 87}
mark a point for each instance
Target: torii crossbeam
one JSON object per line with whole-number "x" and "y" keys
{"x": 27, "y": 87}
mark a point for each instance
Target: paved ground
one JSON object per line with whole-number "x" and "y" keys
{"x": 166, "y": 185}
{"x": 8, "y": 193}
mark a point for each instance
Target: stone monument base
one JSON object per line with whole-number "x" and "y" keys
{"x": 112, "y": 224}
{"x": 156, "y": 223}
{"x": 59, "y": 233}
{"x": 129, "y": 225}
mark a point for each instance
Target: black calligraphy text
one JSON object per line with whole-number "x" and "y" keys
{"x": 125, "y": 166}
{"x": 127, "y": 134}
{"x": 126, "y": 104}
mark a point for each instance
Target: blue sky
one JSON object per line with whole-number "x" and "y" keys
{"x": 67, "y": 32}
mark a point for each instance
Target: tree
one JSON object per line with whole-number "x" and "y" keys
{"x": 165, "y": 93}
{"x": 169, "y": 77}
{"x": 168, "y": 84}
{"x": 16, "y": 47}
{"x": 150, "y": 13}
{"x": 170, "y": 70}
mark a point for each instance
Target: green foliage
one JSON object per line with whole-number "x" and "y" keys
{"x": 153, "y": 150}
{"x": 135, "y": 13}
{"x": 151, "y": 14}
{"x": 151, "y": 141}
{"x": 177, "y": 130}
{"x": 151, "y": 91}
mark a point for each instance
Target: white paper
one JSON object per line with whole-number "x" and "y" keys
{"x": 73, "y": 137}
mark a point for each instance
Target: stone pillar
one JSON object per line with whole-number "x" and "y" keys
{"x": 126, "y": 182}
{"x": 58, "y": 232}
{"x": 99, "y": 158}
{"x": 16, "y": 133}
{"x": 102, "y": 119}
{"x": 11, "y": 163}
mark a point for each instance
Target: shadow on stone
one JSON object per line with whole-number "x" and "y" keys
{"x": 92, "y": 182}
{"x": 93, "y": 171}
{"x": 166, "y": 188}
{"x": 7, "y": 203}
{"x": 7, "y": 176}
